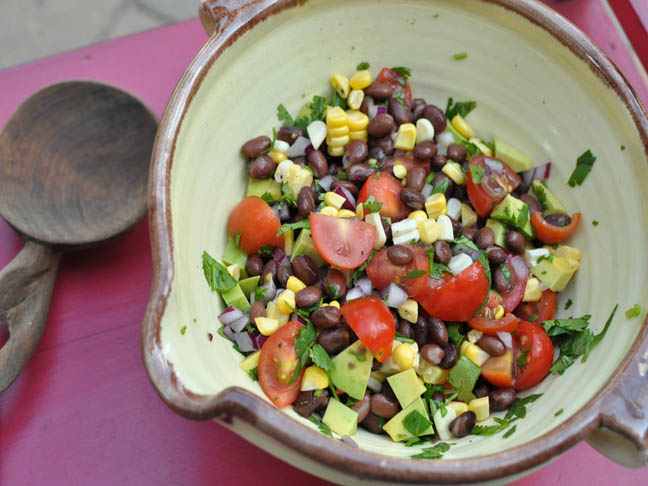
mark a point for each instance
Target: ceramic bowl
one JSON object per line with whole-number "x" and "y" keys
{"x": 537, "y": 79}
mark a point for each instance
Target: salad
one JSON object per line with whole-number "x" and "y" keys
{"x": 391, "y": 269}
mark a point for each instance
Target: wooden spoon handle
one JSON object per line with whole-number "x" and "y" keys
{"x": 25, "y": 289}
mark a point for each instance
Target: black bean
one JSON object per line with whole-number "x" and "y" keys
{"x": 385, "y": 143}
{"x": 317, "y": 162}
{"x": 558, "y": 219}
{"x": 495, "y": 255}
{"x": 412, "y": 199}
{"x": 502, "y": 284}
{"x": 401, "y": 113}
{"x": 356, "y": 151}
{"x": 362, "y": 407}
{"x": 438, "y": 162}
{"x": 501, "y": 399}
{"x": 254, "y": 265}
{"x": 253, "y": 147}
{"x": 307, "y": 402}
{"x": 326, "y": 316}
{"x": 400, "y": 255}
{"x": 481, "y": 390}
{"x": 257, "y": 309}
{"x": 470, "y": 233}
{"x": 308, "y": 296}
{"x": 306, "y": 201}
{"x": 379, "y": 90}
{"x": 515, "y": 242}
{"x": 284, "y": 272}
{"x": 438, "y": 331}
{"x": 442, "y": 177}
{"x": 451, "y": 357}
{"x": 432, "y": 353}
{"x": 460, "y": 193}
{"x": 425, "y": 151}
{"x": 373, "y": 423}
{"x": 386, "y": 227}
{"x": 442, "y": 252}
{"x": 382, "y": 124}
{"x": 485, "y": 238}
{"x": 348, "y": 185}
{"x": 305, "y": 269}
{"x": 456, "y": 227}
{"x": 405, "y": 328}
{"x": 491, "y": 345}
{"x": 358, "y": 173}
{"x": 335, "y": 284}
{"x": 534, "y": 205}
{"x": 376, "y": 153}
{"x": 417, "y": 110}
{"x": 456, "y": 152}
{"x": 261, "y": 167}
{"x": 384, "y": 406}
{"x": 436, "y": 116}
{"x": 418, "y": 102}
{"x": 289, "y": 134}
{"x": 421, "y": 331}
{"x": 463, "y": 424}
{"x": 416, "y": 178}
{"x": 334, "y": 339}
{"x": 269, "y": 267}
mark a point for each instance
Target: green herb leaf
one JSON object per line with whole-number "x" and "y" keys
{"x": 533, "y": 317}
{"x": 401, "y": 338}
{"x": 304, "y": 223}
{"x": 523, "y": 357}
{"x": 434, "y": 452}
{"x": 357, "y": 273}
{"x": 318, "y": 108}
{"x": 542, "y": 258}
{"x": 216, "y": 274}
{"x": 323, "y": 428}
{"x": 302, "y": 123}
{"x": 509, "y": 432}
{"x": 358, "y": 356}
{"x": 459, "y": 108}
{"x": 633, "y": 311}
{"x": 266, "y": 250}
{"x": 561, "y": 364}
{"x": 334, "y": 291}
{"x": 441, "y": 187}
{"x": 595, "y": 223}
{"x": 287, "y": 195}
{"x": 505, "y": 271}
{"x": 584, "y": 165}
{"x": 490, "y": 429}
{"x": 403, "y": 71}
{"x": 284, "y": 116}
{"x": 400, "y": 97}
{"x": 183, "y": 329}
{"x": 337, "y": 100}
{"x": 259, "y": 292}
{"x": 518, "y": 409}
{"x": 454, "y": 334}
{"x": 415, "y": 423}
{"x": 558, "y": 412}
{"x": 267, "y": 197}
{"x": 415, "y": 274}
{"x": 254, "y": 373}
{"x": 303, "y": 343}
{"x": 463, "y": 377}
{"x": 568, "y": 304}
{"x": 438, "y": 269}
{"x": 460, "y": 55}
{"x": 362, "y": 66}
{"x": 371, "y": 205}
{"x": 477, "y": 172}
{"x": 321, "y": 358}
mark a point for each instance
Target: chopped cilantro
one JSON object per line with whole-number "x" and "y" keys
{"x": 183, "y": 329}
{"x": 403, "y": 71}
{"x": 400, "y": 97}
{"x": 216, "y": 274}
{"x": 287, "y": 196}
{"x": 441, "y": 187}
{"x": 595, "y": 223}
{"x": 254, "y": 373}
{"x": 371, "y": 205}
{"x": 622, "y": 147}
{"x": 267, "y": 197}
{"x": 434, "y": 452}
{"x": 558, "y": 412}
{"x": 266, "y": 250}
{"x": 460, "y": 55}
{"x": 303, "y": 343}
{"x": 438, "y": 269}
{"x": 358, "y": 271}
{"x": 334, "y": 291}
{"x": 523, "y": 357}
{"x": 516, "y": 412}
{"x": 337, "y": 100}
{"x": 283, "y": 115}
{"x": 415, "y": 274}
{"x": 403, "y": 339}
{"x": 542, "y": 258}
{"x": 373, "y": 164}
{"x": 358, "y": 356}
{"x": 318, "y": 108}
{"x": 633, "y": 311}
{"x": 568, "y": 304}
{"x": 477, "y": 172}
{"x": 459, "y": 108}
{"x": 505, "y": 271}
{"x": 509, "y": 432}
{"x": 584, "y": 165}
{"x": 471, "y": 148}
{"x": 490, "y": 429}
{"x": 323, "y": 428}
{"x": 415, "y": 423}
{"x": 362, "y": 66}
{"x": 259, "y": 293}
{"x": 533, "y": 317}
{"x": 454, "y": 334}
{"x": 321, "y": 358}
{"x": 304, "y": 223}
{"x": 343, "y": 175}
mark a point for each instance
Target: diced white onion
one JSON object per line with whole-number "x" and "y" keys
{"x": 443, "y": 140}
{"x": 406, "y": 237}
{"x": 317, "y": 133}
{"x": 394, "y": 295}
{"x": 354, "y": 293}
{"x": 442, "y": 423}
{"x": 506, "y": 339}
{"x": 542, "y": 286}
{"x": 229, "y": 315}
{"x": 404, "y": 226}
{"x": 447, "y": 233}
{"x": 531, "y": 256}
{"x": 474, "y": 336}
{"x": 281, "y": 146}
{"x": 459, "y": 263}
{"x": 326, "y": 181}
{"x": 365, "y": 284}
{"x": 427, "y": 190}
{"x": 454, "y": 207}
{"x": 298, "y": 148}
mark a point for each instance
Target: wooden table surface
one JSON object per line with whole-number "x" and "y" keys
{"x": 83, "y": 411}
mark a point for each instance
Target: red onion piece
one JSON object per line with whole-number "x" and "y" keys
{"x": 260, "y": 339}
{"x": 279, "y": 256}
{"x": 427, "y": 190}
{"x": 350, "y": 202}
{"x": 519, "y": 267}
{"x": 271, "y": 290}
{"x": 244, "y": 341}
{"x": 298, "y": 148}
{"x": 283, "y": 214}
{"x": 372, "y": 111}
{"x": 230, "y": 315}
{"x": 228, "y": 333}
{"x": 366, "y": 286}
{"x": 506, "y": 339}
{"x": 539, "y": 173}
{"x": 381, "y": 110}
{"x": 354, "y": 293}
{"x": 394, "y": 295}
{"x": 326, "y": 181}
{"x": 239, "y": 324}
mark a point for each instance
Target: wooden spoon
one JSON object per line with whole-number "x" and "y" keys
{"x": 74, "y": 163}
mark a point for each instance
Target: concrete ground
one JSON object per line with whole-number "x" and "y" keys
{"x": 32, "y": 29}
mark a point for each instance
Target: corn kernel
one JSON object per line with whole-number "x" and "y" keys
{"x": 277, "y": 156}
{"x": 360, "y": 211}
{"x": 569, "y": 252}
{"x": 295, "y": 284}
{"x": 334, "y": 199}
{"x": 235, "y": 271}
{"x": 358, "y": 135}
{"x": 400, "y": 171}
{"x": 337, "y": 132}
{"x": 346, "y": 213}
{"x": 336, "y": 117}
{"x": 360, "y": 79}
{"x": 418, "y": 215}
{"x": 482, "y": 146}
{"x": 458, "y": 407}
{"x": 337, "y": 142}
{"x": 355, "y": 99}
{"x": 266, "y": 325}
{"x": 334, "y": 303}
{"x": 435, "y": 205}
{"x": 273, "y": 312}
{"x": 403, "y": 356}
{"x": 357, "y": 120}
{"x": 329, "y": 211}
{"x": 481, "y": 408}
{"x": 409, "y": 311}
{"x": 286, "y": 302}
{"x": 340, "y": 84}
{"x": 335, "y": 151}
{"x": 431, "y": 374}
{"x": 405, "y": 137}
{"x": 532, "y": 292}
{"x": 315, "y": 378}
{"x": 468, "y": 216}
{"x": 455, "y": 172}
{"x": 297, "y": 178}
{"x": 289, "y": 241}
{"x": 462, "y": 127}
{"x": 499, "y": 312}
{"x": 429, "y": 231}
{"x": 473, "y": 352}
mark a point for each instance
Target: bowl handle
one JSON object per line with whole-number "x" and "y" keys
{"x": 623, "y": 432}
{"x": 217, "y": 15}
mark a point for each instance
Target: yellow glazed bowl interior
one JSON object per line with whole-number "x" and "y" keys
{"x": 531, "y": 90}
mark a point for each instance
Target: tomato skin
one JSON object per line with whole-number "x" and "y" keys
{"x": 381, "y": 271}
{"x": 458, "y": 298}
{"x": 280, "y": 346}
{"x": 498, "y": 370}
{"x": 539, "y": 358}
{"x": 512, "y": 298}
{"x": 389, "y": 76}
{"x": 493, "y": 188}
{"x": 258, "y": 224}
{"x": 545, "y": 308}
{"x": 508, "y": 323}
{"x": 386, "y": 189}
{"x": 373, "y": 323}
{"x": 342, "y": 242}
{"x": 549, "y": 233}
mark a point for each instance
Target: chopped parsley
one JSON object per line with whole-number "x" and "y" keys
{"x": 454, "y": 334}
{"x": 284, "y": 116}
{"x": 459, "y": 108}
{"x": 362, "y": 66}
{"x": 542, "y": 258}
{"x": 323, "y": 428}
{"x": 471, "y": 148}
{"x": 633, "y": 311}
{"x": 516, "y": 412}
{"x": 441, "y": 187}
{"x": 438, "y": 269}
{"x": 505, "y": 271}
{"x": 337, "y": 100}
{"x": 403, "y": 339}
{"x": 266, "y": 250}
{"x": 304, "y": 223}
{"x": 321, "y": 358}
{"x": 318, "y": 107}
{"x": 595, "y": 223}
{"x": 183, "y": 329}
{"x": 254, "y": 373}
{"x": 584, "y": 165}
{"x": 400, "y": 97}
{"x": 415, "y": 274}
{"x": 287, "y": 196}
{"x": 460, "y": 55}
{"x": 267, "y": 197}
{"x": 558, "y": 412}
{"x": 303, "y": 343}
{"x": 434, "y": 452}
{"x": 403, "y": 71}
{"x": 358, "y": 271}
{"x": 371, "y": 205}
{"x": 477, "y": 172}
{"x": 523, "y": 357}
{"x": 568, "y": 304}
{"x": 334, "y": 291}
{"x": 415, "y": 423}
{"x": 216, "y": 274}
{"x": 358, "y": 356}
{"x": 509, "y": 432}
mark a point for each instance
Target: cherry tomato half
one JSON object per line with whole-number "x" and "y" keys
{"x": 342, "y": 242}
{"x": 498, "y": 370}
{"x": 544, "y": 309}
{"x": 549, "y": 233}
{"x": 395, "y": 80}
{"x": 257, "y": 223}
{"x": 508, "y": 323}
{"x": 497, "y": 180}
{"x": 386, "y": 189}
{"x": 458, "y": 298}
{"x": 519, "y": 276}
{"x": 373, "y": 323}
{"x": 532, "y": 340}
{"x": 381, "y": 271}
{"x": 277, "y": 363}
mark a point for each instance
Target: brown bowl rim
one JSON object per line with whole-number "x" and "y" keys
{"x": 245, "y": 406}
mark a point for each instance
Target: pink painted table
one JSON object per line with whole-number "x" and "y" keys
{"x": 83, "y": 411}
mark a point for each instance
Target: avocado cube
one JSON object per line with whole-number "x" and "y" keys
{"x": 499, "y": 230}
{"x": 235, "y": 297}
{"x": 304, "y": 245}
{"x": 395, "y": 427}
{"x": 249, "y": 285}
{"x": 556, "y": 272}
{"x": 514, "y": 212}
{"x": 340, "y": 418}
{"x": 233, "y": 254}
{"x": 515, "y": 159}
{"x": 406, "y": 386}
{"x": 547, "y": 199}
{"x": 250, "y": 362}
{"x": 352, "y": 368}
{"x": 259, "y": 187}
